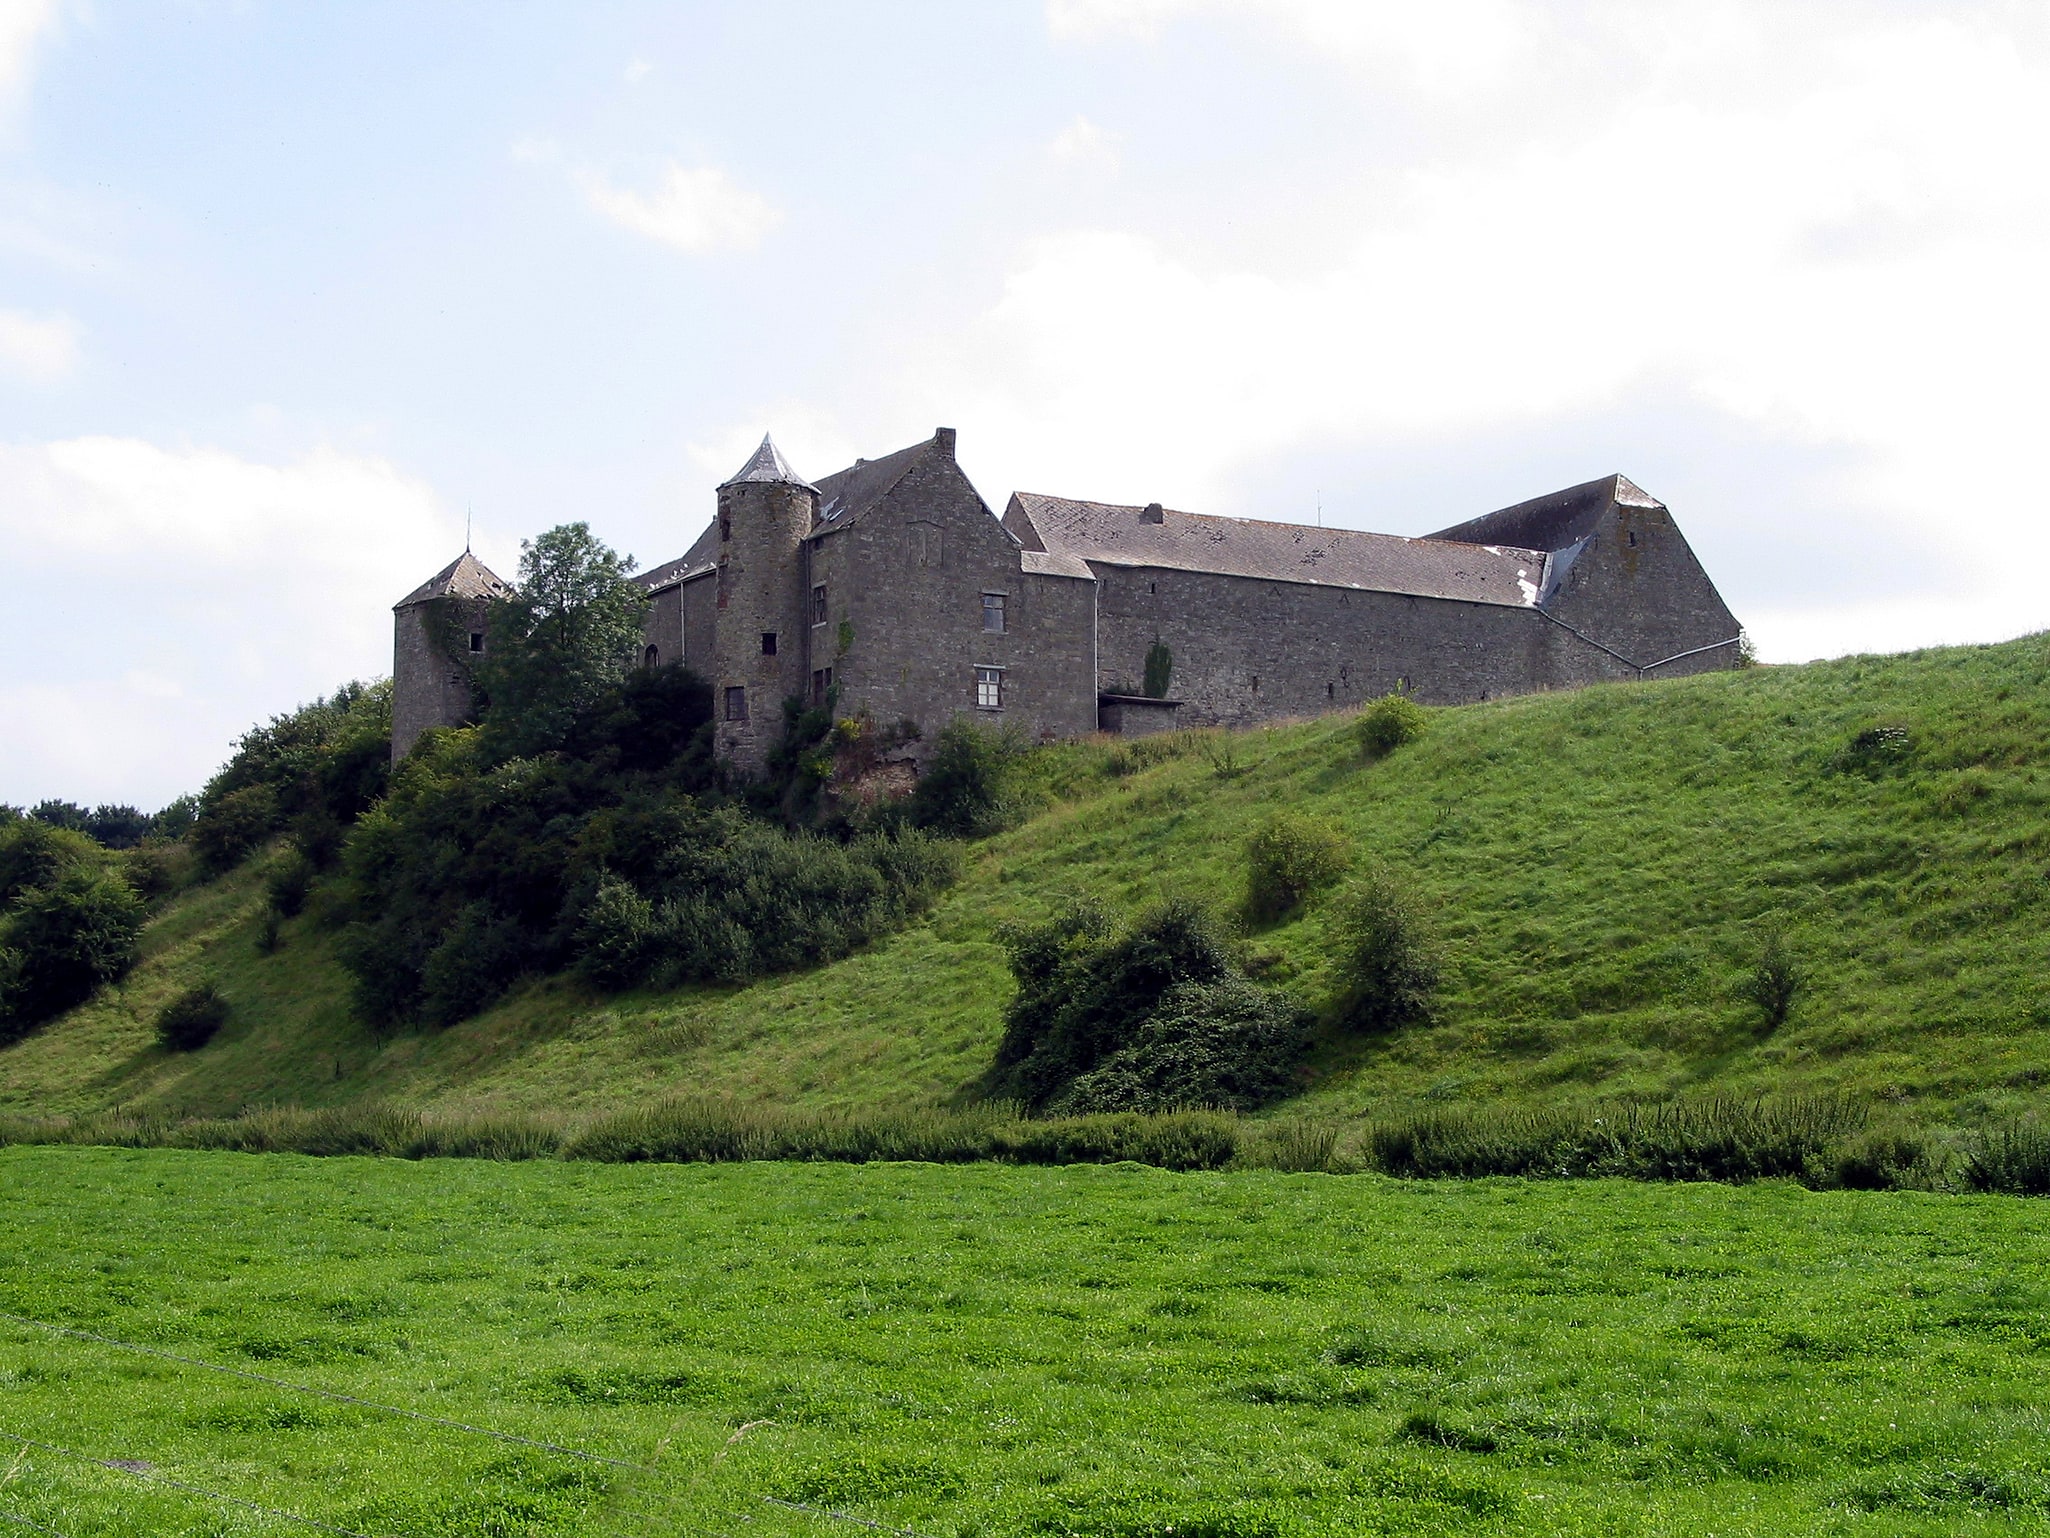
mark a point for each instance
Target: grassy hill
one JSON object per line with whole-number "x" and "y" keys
{"x": 1605, "y": 866}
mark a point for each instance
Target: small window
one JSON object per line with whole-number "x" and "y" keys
{"x": 821, "y": 685}
{"x": 1153, "y": 587}
{"x": 476, "y": 640}
{"x": 989, "y": 688}
{"x": 1633, "y": 538}
{"x": 736, "y": 704}
{"x": 818, "y": 604}
{"x": 768, "y": 643}
{"x": 652, "y": 657}
{"x": 993, "y": 613}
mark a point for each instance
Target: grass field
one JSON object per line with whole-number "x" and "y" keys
{"x": 1605, "y": 864}
{"x": 989, "y": 1350}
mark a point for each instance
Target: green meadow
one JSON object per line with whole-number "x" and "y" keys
{"x": 1089, "y": 1350}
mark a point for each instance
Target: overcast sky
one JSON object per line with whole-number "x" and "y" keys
{"x": 286, "y": 289}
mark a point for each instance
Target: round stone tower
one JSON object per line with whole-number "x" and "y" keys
{"x": 759, "y": 631}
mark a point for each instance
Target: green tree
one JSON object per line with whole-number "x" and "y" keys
{"x": 561, "y": 642}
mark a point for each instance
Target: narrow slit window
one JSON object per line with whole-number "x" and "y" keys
{"x": 993, "y": 613}
{"x": 989, "y": 688}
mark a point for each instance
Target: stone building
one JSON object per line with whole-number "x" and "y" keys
{"x": 437, "y": 638}
{"x": 893, "y": 588}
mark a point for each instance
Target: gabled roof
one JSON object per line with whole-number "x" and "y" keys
{"x": 1552, "y": 522}
{"x": 768, "y": 464}
{"x": 702, "y": 556}
{"x": 464, "y": 577}
{"x": 845, "y": 495}
{"x": 1117, "y": 535}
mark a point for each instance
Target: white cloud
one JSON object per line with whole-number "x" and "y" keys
{"x": 37, "y": 347}
{"x": 179, "y": 595}
{"x": 697, "y": 209}
{"x": 1825, "y": 223}
{"x": 637, "y": 71}
{"x": 23, "y": 24}
{"x": 1084, "y": 143}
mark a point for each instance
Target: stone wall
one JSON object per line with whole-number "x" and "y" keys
{"x": 758, "y": 594}
{"x": 904, "y": 631}
{"x": 431, "y": 663}
{"x": 1635, "y": 587}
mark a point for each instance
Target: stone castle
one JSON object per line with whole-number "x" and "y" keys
{"x": 893, "y": 588}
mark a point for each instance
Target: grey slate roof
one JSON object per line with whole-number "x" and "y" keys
{"x": 847, "y": 494}
{"x": 1050, "y": 563}
{"x": 1116, "y": 535}
{"x": 768, "y": 464}
{"x": 1552, "y": 522}
{"x": 702, "y": 556}
{"x": 464, "y": 577}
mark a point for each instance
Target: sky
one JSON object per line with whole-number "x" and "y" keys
{"x": 292, "y": 295}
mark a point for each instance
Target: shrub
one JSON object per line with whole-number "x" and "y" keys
{"x": 290, "y": 880}
{"x": 1876, "y": 749}
{"x": 2013, "y": 1158}
{"x": 618, "y": 938}
{"x": 1387, "y": 961}
{"x": 1149, "y": 1019}
{"x": 1226, "y": 1045}
{"x": 229, "y": 829}
{"x": 1289, "y": 857}
{"x": 962, "y": 792}
{"x": 190, "y": 1020}
{"x": 33, "y": 853}
{"x": 1388, "y": 723}
{"x": 1159, "y": 670}
{"x": 62, "y": 941}
{"x": 1776, "y": 979}
{"x": 479, "y": 956}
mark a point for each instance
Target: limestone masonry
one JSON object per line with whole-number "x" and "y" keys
{"x": 893, "y": 590}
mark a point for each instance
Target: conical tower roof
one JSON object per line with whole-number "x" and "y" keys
{"x": 464, "y": 577}
{"x": 768, "y": 464}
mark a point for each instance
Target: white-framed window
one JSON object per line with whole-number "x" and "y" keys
{"x": 989, "y": 688}
{"x": 993, "y": 613}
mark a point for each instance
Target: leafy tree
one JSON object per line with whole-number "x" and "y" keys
{"x": 62, "y": 941}
{"x": 560, "y": 643}
{"x": 962, "y": 792}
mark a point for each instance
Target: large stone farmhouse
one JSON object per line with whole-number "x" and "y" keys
{"x": 893, "y": 588}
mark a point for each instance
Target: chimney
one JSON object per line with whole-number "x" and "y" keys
{"x": 943, "y": 440}
{"x": 1152, "y": 514}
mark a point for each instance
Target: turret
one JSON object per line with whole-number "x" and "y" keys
{"x": 438, "y": 638}
{"x": 759, "y": 631}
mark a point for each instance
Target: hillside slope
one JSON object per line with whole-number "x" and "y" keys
{"x": 1605, "y": 866}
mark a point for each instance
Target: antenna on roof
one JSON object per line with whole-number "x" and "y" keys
{"x": 469, "y": 518}
{"x": 1320, "y": 509}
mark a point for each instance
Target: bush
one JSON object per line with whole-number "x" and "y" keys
{"x": 229, "y": 829}
{"x": 2013, "y": 1159}
{"x": 1149, "y": 1019}
{"x": 962, "y": 792}
{"x": 1289, "y": 857}
{"x": 290, "y": 880}
{"x": 1159, "y": 670}
{"x": 190, "y": 1020}
{"x": 1386, "y": 959}
{"x": 479, "y": 956}
{"x": 1776, "y": 980}
{"x": 1227, "y": 1045}
{"x": 1388, "y": 723}
{"x": 61, "y": 942}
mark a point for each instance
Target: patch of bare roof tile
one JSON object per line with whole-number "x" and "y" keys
{"x": 1288, "y": 552}
{"x": 846, "y": 494}
{"x": 702, "y": 556}
{"x": 1050, "y": 563}
{"x": 464, "y": 577}
{"x": 1552, "y": 522}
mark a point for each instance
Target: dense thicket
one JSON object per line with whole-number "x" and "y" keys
{"x": 69, "y": 922}
{"x": 615, "y": 851}
{"x": 311, "y": 772}
{"x": 1149, "y": 1019}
